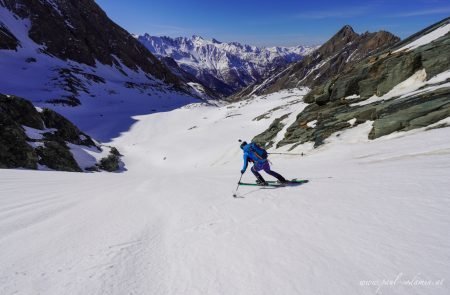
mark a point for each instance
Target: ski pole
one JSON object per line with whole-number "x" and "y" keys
{"x": 235, "y": 193}
{"x": 290, "y": 154}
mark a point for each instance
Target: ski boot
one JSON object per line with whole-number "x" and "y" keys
{"x": 261, "y": 182}
{"x": 282, "y": 180}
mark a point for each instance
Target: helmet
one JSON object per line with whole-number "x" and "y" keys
{"x": 244, "y": 143}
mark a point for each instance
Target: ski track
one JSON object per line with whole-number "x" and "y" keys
{"x": 371, "y": 210}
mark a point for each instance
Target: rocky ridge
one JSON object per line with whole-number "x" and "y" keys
{"x": 337, "y": 55}
{"x": 398, "y": 89}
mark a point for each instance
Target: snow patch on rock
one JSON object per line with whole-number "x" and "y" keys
{"x": 428, "y": 38}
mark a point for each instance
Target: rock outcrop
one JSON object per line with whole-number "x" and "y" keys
{"x": 379, "y": 73}
{"x": 364, "y": 92}
{"x": 31, "y": 139}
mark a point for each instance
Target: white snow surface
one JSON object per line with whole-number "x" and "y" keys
{"x": 372, "y": 211}
{"x": 426, "y": 39}
{"x": 312, "y": 124}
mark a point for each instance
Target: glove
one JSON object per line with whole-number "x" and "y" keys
{"x": 242, "y": 171}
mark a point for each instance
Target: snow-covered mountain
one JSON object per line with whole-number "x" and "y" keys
{"x": 224, "y": 67}
{"x": 70, "y": 57}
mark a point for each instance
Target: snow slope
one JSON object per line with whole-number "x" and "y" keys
{"x": 372, "y": 211}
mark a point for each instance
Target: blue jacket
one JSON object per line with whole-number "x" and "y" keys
{"x": 251, "y": 156}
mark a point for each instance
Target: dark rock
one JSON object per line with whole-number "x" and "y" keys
{"x": 20, "y": 111}
{"x": 265, "y": 138}
{"x": 111, "y": 163}
{"x": 416, "y": 112}
{"x": 7, "y": 39}
{"x": 70, "y": 101}
{"x": 114, "y": 151}
{"x": 65, "y": 129}
{"x": 56, "y": 155}
{"x": 15, "y": 152}
{"x": 92, "y": 169}
{"x": 443, "y": 125}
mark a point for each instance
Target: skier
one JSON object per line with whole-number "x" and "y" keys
{"x": 257, "y": 155}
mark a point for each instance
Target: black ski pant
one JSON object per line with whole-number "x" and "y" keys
{"x": 266, "y": 167}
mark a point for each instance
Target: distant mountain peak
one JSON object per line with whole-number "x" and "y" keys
{"x": 346, "y": 32}
{"x": 346, "y": 28}
{"x": 225, "y": 67}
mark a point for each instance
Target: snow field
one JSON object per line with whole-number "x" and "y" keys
{"x": 169, "y": 224}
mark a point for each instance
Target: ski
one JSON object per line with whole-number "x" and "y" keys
{"x": 295, "y": 180}
{"x": 277, "y": 184}
{"x": 255, "y": 184}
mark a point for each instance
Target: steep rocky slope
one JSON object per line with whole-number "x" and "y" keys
{"x": 224, "y": 67}
{"x": 69, "y": 51}
{"x": 404, "y": 87}
{"x": 81, "y": 31}
{"x": 35, "y": 138}
{"x": 338, "y": 54}
{"x": 7, "y": 40}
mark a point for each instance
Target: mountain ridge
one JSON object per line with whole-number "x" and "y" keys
{"x": 399, "y": 88}
{"x": 339, "y": 53}
{"x": 221, "y": 66}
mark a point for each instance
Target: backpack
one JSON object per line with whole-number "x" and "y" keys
{"x": 258, "y": 151}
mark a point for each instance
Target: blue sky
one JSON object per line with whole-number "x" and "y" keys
{"x": 276, "y": 22}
